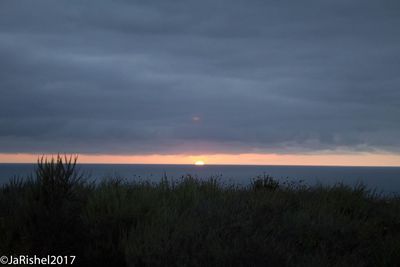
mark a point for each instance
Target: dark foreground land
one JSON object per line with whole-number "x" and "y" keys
{"x": 196, "y": 223}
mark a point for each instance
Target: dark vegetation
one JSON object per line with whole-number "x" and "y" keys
{"x": 191, "y": 222}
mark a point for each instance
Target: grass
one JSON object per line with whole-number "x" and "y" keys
{"x": 194, "y": 222}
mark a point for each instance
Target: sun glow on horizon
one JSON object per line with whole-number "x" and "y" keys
{"x": 343, "y": 159}
{"x": 199, "y": 163}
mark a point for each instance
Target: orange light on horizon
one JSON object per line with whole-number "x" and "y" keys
{"x": 327, "y": 159}
{"x": 199, "y": 163}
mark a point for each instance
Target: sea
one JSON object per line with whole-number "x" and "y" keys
{"x": 383, "y": 180}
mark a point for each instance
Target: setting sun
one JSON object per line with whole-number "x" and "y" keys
{"x": 199, "y": 163}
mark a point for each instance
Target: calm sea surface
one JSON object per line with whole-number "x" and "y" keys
{"x": 384, "y": 179}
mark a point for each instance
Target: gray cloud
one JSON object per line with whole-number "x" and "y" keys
{"x": 127, "y": 77}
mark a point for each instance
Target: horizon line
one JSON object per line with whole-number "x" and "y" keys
{"x": 225, "y": 164}
{"x": 243, "y": 159}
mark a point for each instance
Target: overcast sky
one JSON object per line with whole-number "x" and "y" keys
{"x": 170, "y": 77}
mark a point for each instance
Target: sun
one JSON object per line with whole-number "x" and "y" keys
{"x": 199, "y": 163}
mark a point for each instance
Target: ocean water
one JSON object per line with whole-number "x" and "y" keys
{"x": 383, "y": 179}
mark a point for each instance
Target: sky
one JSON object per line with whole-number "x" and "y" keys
{"x": 312, "y": 82}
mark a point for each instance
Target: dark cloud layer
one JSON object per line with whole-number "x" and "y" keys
{"x": 128, "y": 77}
